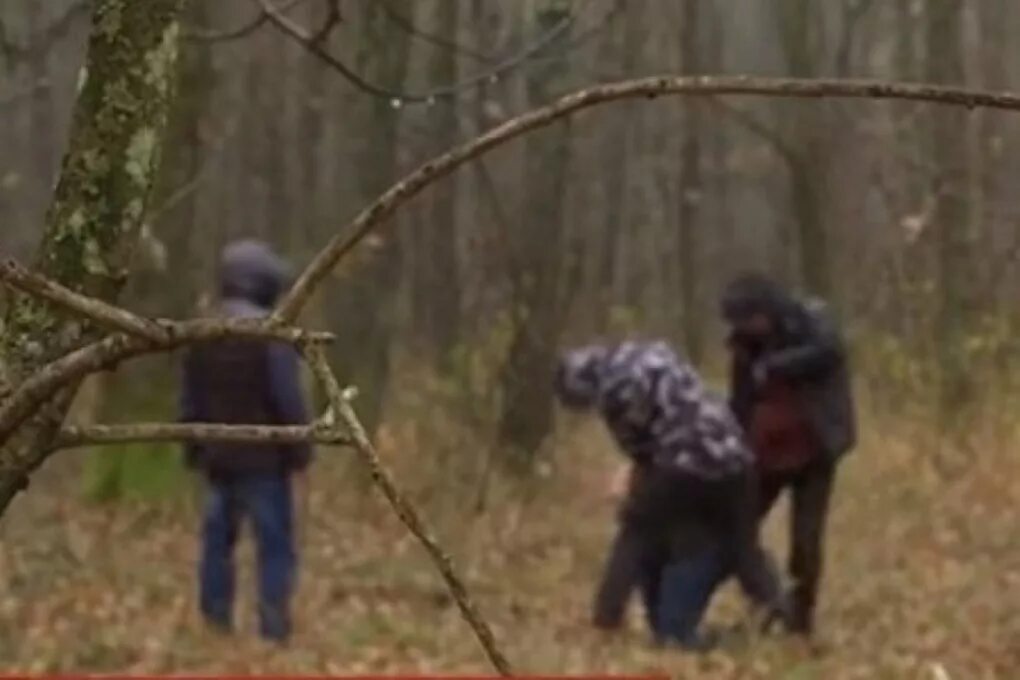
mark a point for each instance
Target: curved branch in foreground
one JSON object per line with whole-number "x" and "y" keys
{"x": 377, "y": 212}
{"x": 113, "y": 349}
{"x": 341, "y": 409}
{"x": 97, "y": 435}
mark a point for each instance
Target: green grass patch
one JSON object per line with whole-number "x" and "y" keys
{"x": 134, "y": 472}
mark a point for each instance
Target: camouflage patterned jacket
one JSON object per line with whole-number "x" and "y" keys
{"x": 656, "y": 407}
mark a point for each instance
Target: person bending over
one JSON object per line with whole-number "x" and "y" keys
{"x": 692, "y": 510}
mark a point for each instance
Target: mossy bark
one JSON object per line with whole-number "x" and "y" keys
{"x": 106, "y": 179}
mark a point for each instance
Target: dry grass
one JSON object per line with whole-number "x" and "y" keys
{"x": 924, "y": 573}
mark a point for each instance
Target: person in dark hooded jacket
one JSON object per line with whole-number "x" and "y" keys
{"x": 790, "y": 390}
{"x": 690, "y": 518}
{"x": 247, "y": 382}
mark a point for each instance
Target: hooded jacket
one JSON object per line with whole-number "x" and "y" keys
{"x": 805, "y": 350}
{"x": 245, "y": 381}
{"x": 656, "y": 407}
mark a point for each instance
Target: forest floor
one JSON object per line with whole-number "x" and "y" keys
{"x": 923, "y": 575}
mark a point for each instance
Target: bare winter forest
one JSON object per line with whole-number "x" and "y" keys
{"x": 285, "y": 119}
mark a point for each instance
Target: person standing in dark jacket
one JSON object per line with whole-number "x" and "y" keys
{"x": 247, "y": 382}
{"x": 790, "y": 390}
{"x": 690, "y": 519}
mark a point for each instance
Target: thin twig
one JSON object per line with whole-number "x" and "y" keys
{"x": 92, "y": 435}
{"x": 115, "y": 318}
{"x": 332, "y": 20}
{"x": 300, "y": 34}
{"x": 568, "y": 45}
{"x": 382, "y": 208}
{"x": 409, "y": 27}
{"x": 339, "y": 402}
{"x": 241, "y": 31}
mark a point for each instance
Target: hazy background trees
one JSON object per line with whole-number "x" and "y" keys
{"x": 625, "y": 219}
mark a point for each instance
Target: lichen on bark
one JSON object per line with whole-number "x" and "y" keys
{"x": 105, "y": 182}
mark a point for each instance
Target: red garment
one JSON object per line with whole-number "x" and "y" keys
{"x": 780, "y": 434}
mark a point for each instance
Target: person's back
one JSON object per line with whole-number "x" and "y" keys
{"x": 689, "y": 519}
{"x": 246, "y": 382}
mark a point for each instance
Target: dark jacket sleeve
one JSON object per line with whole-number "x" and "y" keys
{"x": 741, "y": 396}
{"x": 818, "y": 352}
{"x": 191, "y": 408}
{"x": 288, "y": 400}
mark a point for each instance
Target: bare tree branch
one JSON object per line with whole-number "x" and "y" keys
{"x": 408, "y": 26}
{"x": 381, "y": 209}
{"x": 568, "y": 44}
{"x": 241, "y": 31}
{"x": 114, "y": 349}
{"x": 90, "y": 435}
{"x": 300, "y": 34}
{"x": 339, "y": 400}
{"x": 103, "y": 313}
{"x": 332, "y": 20}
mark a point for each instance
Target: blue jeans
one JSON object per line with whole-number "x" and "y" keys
{"x": 685, "y": 591}
{"x": 266, "y": 501}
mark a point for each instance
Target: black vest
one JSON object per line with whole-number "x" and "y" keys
{"x": 232, "y": 377}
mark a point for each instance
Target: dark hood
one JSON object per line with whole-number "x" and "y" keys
{"x": 250, "y": 271}
{"x": 751, "y": 294}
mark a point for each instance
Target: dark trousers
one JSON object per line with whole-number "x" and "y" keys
{"x": 682, "y": 539}
{"x": 636, "y": 560}
{"x": 266, "y": 501}
{"x": 810, "y": 488}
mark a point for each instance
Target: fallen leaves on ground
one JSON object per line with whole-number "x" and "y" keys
{"x": 923, "y": 578}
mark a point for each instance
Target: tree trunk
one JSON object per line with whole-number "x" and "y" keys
{"x": 616, "y": 153}
{"x": 944, "y": 61}
{"x": 184, "y": 161}
{"x": 364, "y": 308}
{"x": 806, "y": 137}
{"x": 436, "y": 293}
{"x": 690, "y": 189}
{"x": 100, "y": 200}
{"x": 527, "y": 413}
